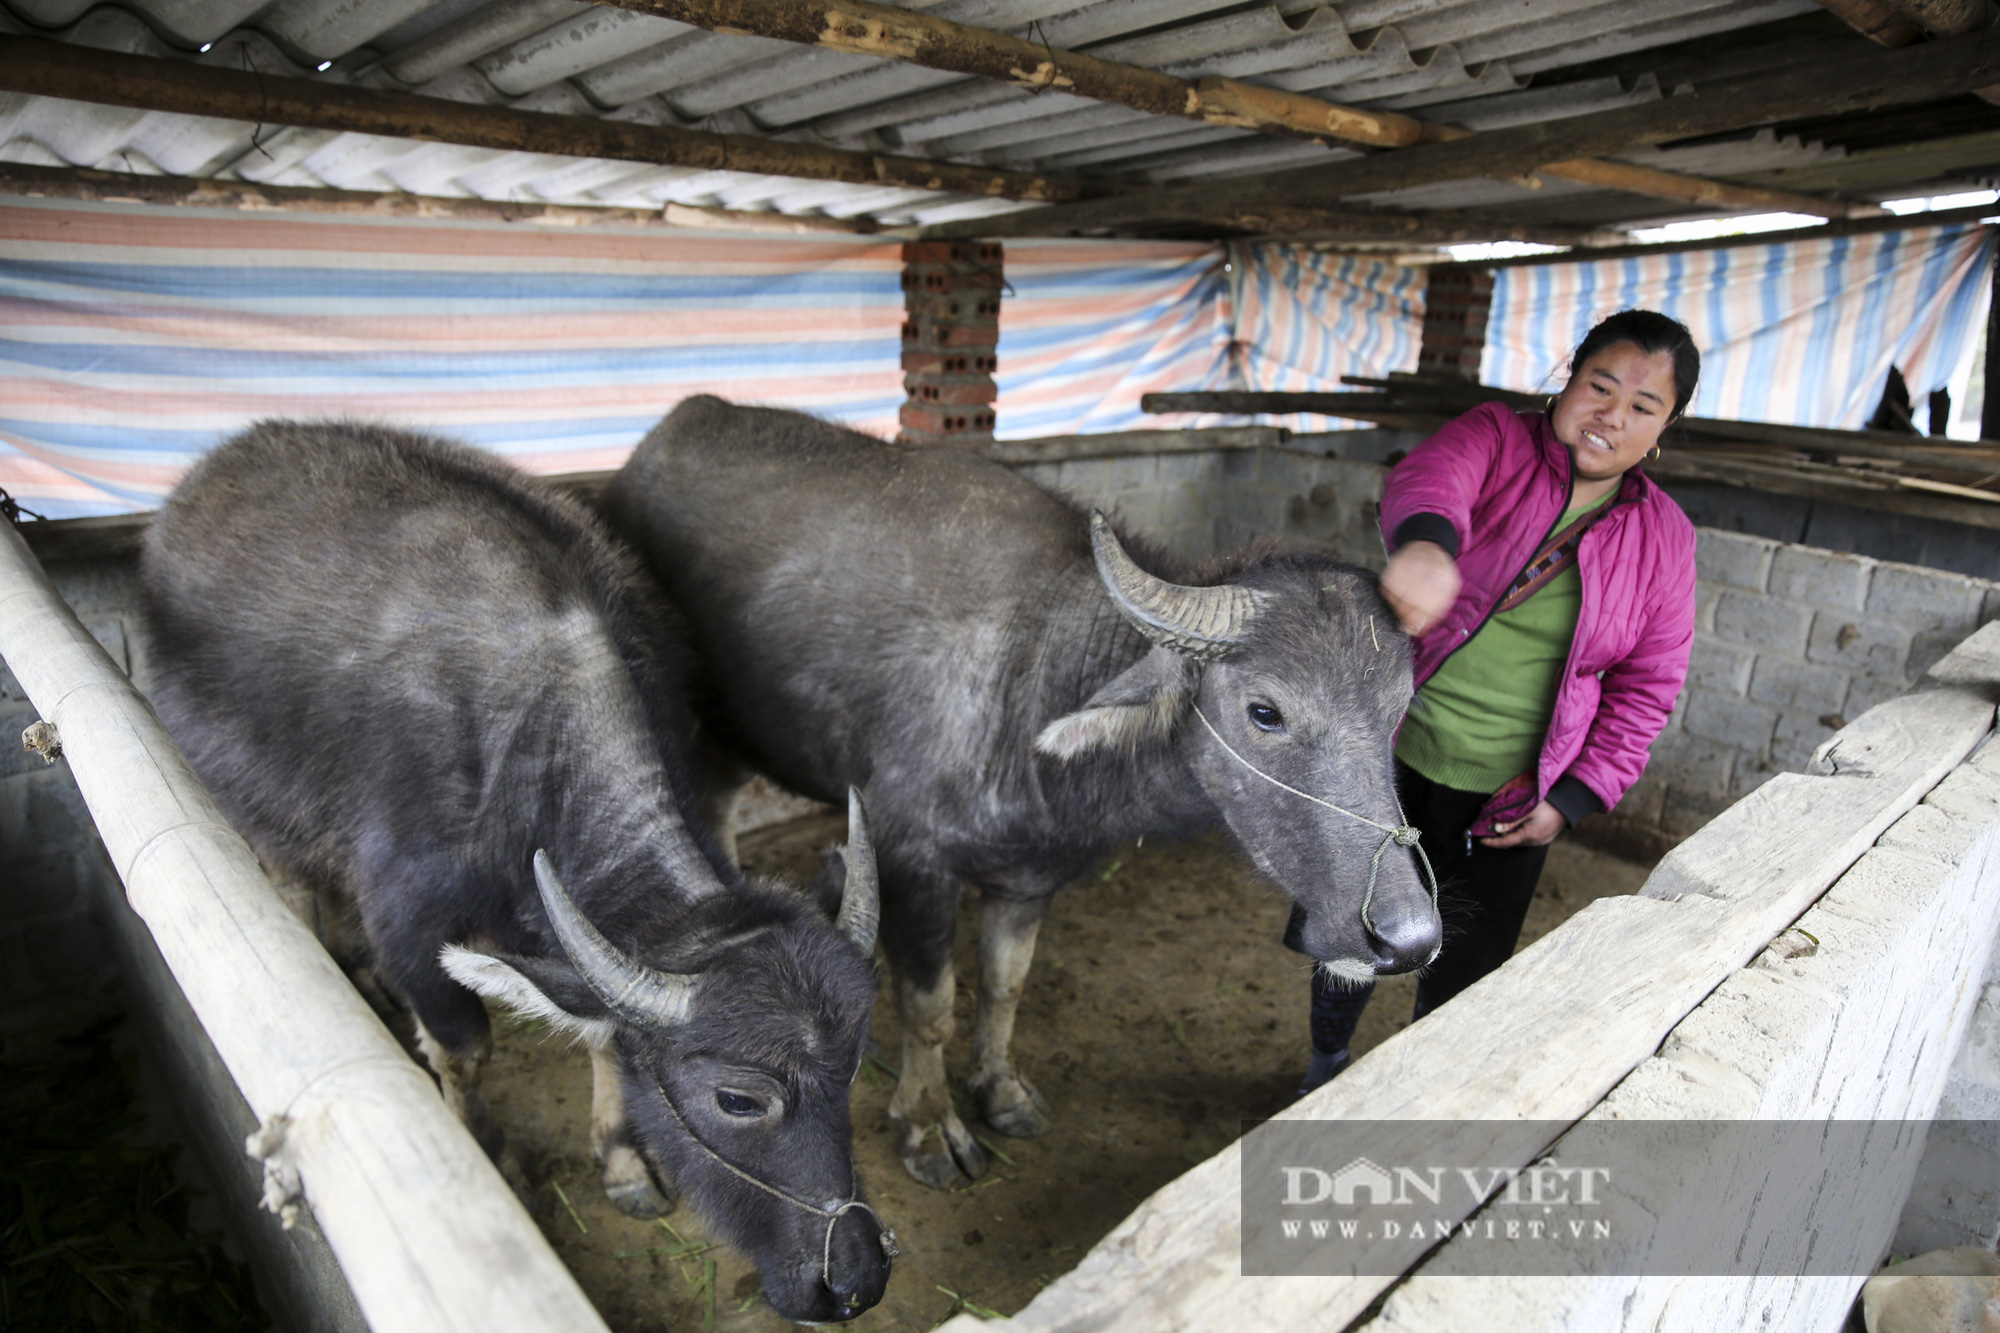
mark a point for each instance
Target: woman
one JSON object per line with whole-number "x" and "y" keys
{"x": 1550, "y": 588}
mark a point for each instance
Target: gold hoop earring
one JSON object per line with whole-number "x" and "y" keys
{"x": 1653, "y": 454}
{"x": 1549, "y": 406}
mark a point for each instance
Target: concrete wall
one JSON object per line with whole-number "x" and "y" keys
{"x": 1194, "y": 505}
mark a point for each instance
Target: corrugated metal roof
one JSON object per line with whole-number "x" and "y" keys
{"x": 1475, "y": 63}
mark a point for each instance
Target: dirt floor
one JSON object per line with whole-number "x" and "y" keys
{"x": 1161, "y": 1014}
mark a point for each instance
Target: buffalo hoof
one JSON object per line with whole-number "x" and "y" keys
{"x": 941, "y": 1155}
{"x": 631, "y": 1187}
{"x": 1011, "y": 1105}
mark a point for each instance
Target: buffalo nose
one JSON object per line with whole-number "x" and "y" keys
{"x": 859, "y": 1274}
{"x": 1405, "y": 941}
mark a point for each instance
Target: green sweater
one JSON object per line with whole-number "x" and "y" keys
{"x": 1479, "y": 721}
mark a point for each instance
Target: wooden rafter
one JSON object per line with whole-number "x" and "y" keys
{"x": 1859, "y": 82}
{"x": 863, "y": 28}
{"x": 1429, "y": 228}
{"x": 59, "y": 69}
{"x": 37, "y": 182}
{"x": 1904, "y": 22}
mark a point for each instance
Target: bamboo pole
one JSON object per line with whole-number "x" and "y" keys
{"x": 427, "y": 1234}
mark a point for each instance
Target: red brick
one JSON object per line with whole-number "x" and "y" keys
{"x": 953, "y": 392}
{"x": 943, "y": 422}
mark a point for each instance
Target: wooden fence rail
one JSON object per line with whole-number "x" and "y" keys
{"x": 427, "y": 1234}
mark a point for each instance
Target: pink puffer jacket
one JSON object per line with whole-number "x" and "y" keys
{"x": 1492, "y": 485}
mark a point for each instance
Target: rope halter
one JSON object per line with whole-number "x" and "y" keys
{"x": 1402, "y": 834}
{"x": 890, "y": 1250}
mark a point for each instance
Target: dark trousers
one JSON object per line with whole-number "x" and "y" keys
{"x": 1483, "y": 895}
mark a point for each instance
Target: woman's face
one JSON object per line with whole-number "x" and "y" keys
{"x": 1614, "y": 408}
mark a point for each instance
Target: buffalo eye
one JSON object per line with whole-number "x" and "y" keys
{"x": 1267, "y": 718}
{"x": 738, "y": 1104}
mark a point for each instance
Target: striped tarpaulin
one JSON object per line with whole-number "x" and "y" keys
{"x": 1305, "y": 319}
{"x": 1802, "y": 333}
{"x": 135, "y": 339}
{"x": 1089, "y": 326}
{"x": 1086, "y": 327}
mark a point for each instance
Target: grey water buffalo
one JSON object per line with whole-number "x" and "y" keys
{"x": 1014, "y": 695}
{"x": 425, "y": 682}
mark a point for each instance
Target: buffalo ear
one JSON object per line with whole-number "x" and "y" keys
{"x": 546, "y": 988}
{"x": 1142, "y": 704}
{"x": 826, "y": 888}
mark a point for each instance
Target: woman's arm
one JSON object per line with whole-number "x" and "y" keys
{"x": 1639, "y": 691}
{"x": 1427, "y": 512}
{"x": 1430, "y": 494}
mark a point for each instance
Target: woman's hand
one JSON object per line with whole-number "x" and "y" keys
{"x": 1537, "y": 828}
{"x": 1420, "y": 584}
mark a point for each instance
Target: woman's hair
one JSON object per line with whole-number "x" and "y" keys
{"x": 1649, "y": 331}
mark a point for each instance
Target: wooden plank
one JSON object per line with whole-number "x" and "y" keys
{"x": 60, "y": 69}
{"x": 1550, "y": 1033}
{"x": 1859, "y": 1027}
{"x": 1864, "y": 81}
{"x": 427, "y": 1234}
{"x": 1948, "y": 488}
{"x": 1685, "y": 465}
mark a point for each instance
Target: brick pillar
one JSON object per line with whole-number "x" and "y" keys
{"x": 951, "y": 327}
{"x": 1455, "y": 309}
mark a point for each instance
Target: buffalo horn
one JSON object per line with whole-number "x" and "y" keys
{"x": 1206, "y": 624}
{"x": 861, "y": 897}
{"x": 634, "y": 991}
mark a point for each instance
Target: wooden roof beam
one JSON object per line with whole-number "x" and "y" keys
{"x": 1863, "y": 81}
{"x": 124, "y": 187}
{"x": 59, "y": 69}
{"x": 1430, "y": 228}
{"x": 861, "y": 27}
{"x": 1897, "y": 23}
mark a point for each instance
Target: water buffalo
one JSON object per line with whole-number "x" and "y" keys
{"x": 1014, "y": 696}
{"x": 416, "y": 677}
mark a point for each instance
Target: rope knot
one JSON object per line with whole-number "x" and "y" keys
{"x": 1405, "y": 836}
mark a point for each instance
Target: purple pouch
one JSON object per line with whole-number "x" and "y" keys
{"x": 1513, "y": 801}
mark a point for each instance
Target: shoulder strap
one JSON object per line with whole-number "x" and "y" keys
{"x": 1557, "y": 554}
